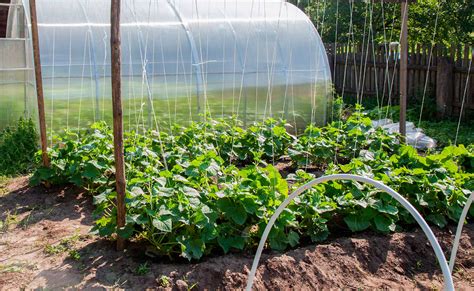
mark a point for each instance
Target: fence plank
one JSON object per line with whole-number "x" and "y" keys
{"x": 373, "y": 70}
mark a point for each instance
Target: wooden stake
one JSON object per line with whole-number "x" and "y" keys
{"x": 403, "y": 64}
{"x": 39, "y": 83}
{"x": 404, "y": 70}
{"x": 120, "y": 182}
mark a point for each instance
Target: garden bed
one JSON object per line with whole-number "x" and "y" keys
{"x": 211, "y": 188}
{"x": 46, "y": 243}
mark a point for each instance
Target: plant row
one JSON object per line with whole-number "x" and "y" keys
{"x": 212, "y": 187}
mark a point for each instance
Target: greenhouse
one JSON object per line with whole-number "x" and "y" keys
{"x": 181, "y": 59}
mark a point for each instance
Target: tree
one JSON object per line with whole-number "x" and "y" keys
{"x": 351, "y": 20}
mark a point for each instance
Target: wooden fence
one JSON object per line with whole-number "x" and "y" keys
{"x": 373, "y": 71}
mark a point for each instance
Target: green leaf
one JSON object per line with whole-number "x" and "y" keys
{"x": 102, "y": 197}
{"x": 227, "y": 243}
{"x": 164, "y": 225}
{"x": 76, "y": 180}
{"x": 161, "y": 181}
{"x": 277, "y": 239}
{"x": 233, "y": 209}
{"x": 191, "y": 192}
{"x": 385, "y": 208}
{"x": 137, "y": 191}
{"x": 346, "y": 168}
{"x": 319, "y": 236}
{"x": 451, "y": 166}
{"x": 276, "y": 180}
{"x": 90, "y": 171}
{"x": 438, "y": 219}
{"x": 293, "y": 238}
{"x": 192, "y": 248}
{"x": 104, "y": 230}
{"x": 356, "y": 222}
{"x": 125, "y": 232}
{"x": 384, "y": 223}
{"x": 35, "y": 180}
{"x": 250, "y": 204}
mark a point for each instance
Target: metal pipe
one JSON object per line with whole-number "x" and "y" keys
{"x": 426, "y": 229}
{"x": 454, "y": 251}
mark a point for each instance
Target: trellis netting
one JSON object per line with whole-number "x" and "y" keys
{"x": 182, "y": 59}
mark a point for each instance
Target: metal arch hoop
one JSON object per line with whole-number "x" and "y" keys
{"x": 448, "y": 280}
{"x": 454, "y": 251}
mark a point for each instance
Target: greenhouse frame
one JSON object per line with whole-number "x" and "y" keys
{"x": 181, "y": 59}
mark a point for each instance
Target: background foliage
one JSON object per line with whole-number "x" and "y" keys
{"x": 18, "y": 145}
{"x": 455, "y": 20}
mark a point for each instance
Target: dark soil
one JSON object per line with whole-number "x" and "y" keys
{"x": 36, "y": 221}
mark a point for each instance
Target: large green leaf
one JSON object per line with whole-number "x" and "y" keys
{"x": 192, "y": 248}
{"x": 356, "y": 222}
{"x": 227, "y": 243}
{"x": 384, "y": 223}
{"x": 386, "y": 208}
{"x": 233, "y": 209}
{"x": 293, "y": 238}
{"x": 164, "y": 225}
{"x": 91, "y": 171}
{"x": 438, "y": 219}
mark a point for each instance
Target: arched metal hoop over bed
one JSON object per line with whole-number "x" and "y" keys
{"x": 448, "y": 280}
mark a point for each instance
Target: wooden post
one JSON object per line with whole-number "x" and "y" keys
{"x": 404, "y": 69}
{"x": 39, "y": 83}
{"x": 444, "y": 87}
{"x": 403, "y": 63}
{"x": 120, "y": 182}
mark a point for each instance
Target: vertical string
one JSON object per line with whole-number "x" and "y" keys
{"x": 464, "y": 98}
{"x": 429, "y": 65}
{"x": 69, "y": 80}
{"x": 52, "y": 86}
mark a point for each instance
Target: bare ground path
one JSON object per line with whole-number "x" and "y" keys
{"x": 45, "y": 243}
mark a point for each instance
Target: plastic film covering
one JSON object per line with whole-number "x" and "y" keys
{"x": 17, "y": 88}
{"x": 182, "y": 59}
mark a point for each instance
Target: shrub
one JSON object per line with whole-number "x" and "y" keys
{"x": 18, "y": 145}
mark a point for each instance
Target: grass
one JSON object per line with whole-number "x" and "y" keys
{"x": 16, "y": 267}
{"x": 3, "y": 185}
{"x": 74, "y": 255}
{"x": 444, "y": 132}
{"x": 65, "y": 245}
{"x": 142, "y": 269}
{"x": 28, "y": 219}
{"x": 54, "y": 249}
{"x": 9, "y": 221}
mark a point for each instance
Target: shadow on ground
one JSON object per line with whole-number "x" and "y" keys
{"x": 34, "y": 204}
